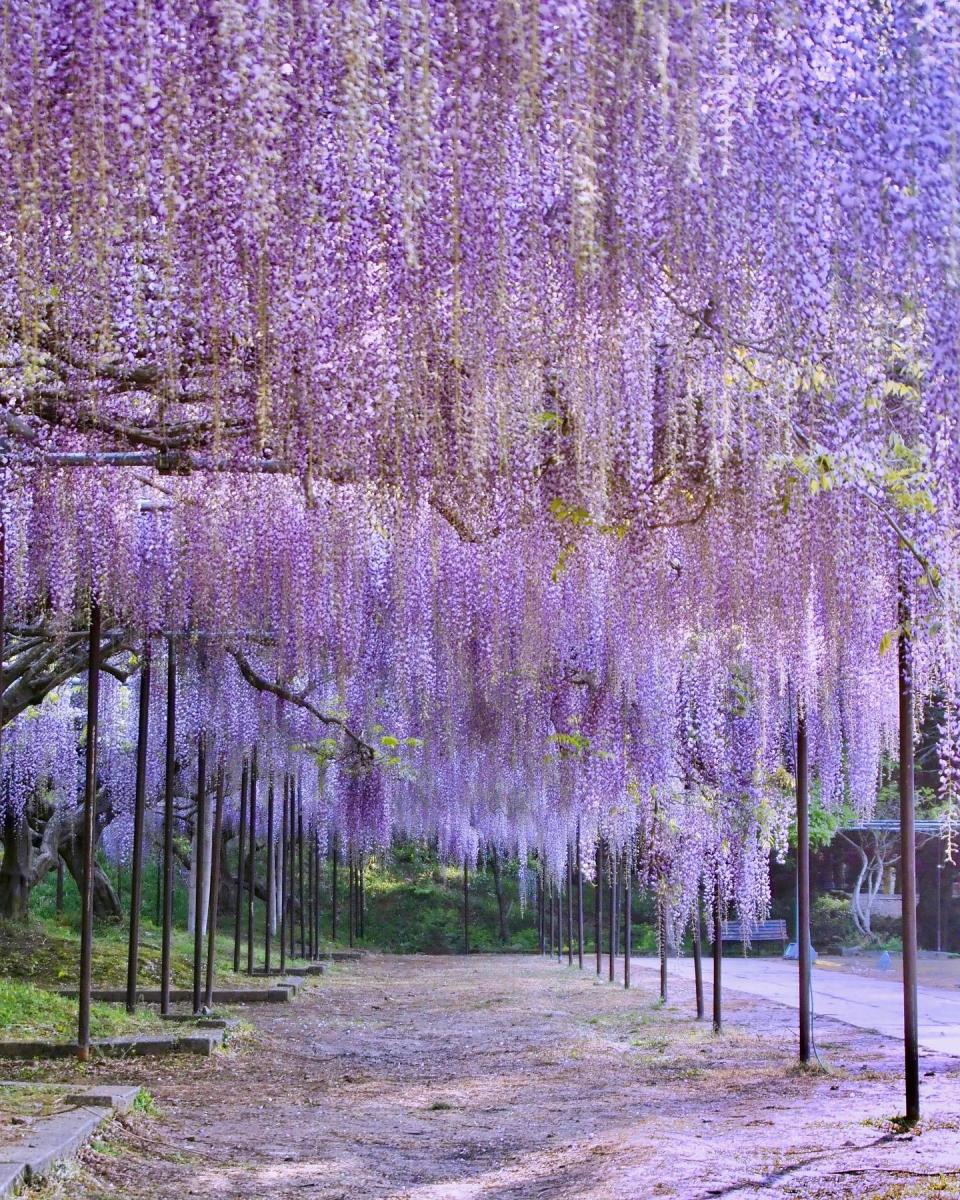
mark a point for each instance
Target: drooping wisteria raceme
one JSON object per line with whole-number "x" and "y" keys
{"x": 517, "y": 413}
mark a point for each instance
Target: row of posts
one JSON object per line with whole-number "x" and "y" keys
{"x": 908, "y": 869}
{"x": 553, "y": 899}
{"x": 299, "y": 859}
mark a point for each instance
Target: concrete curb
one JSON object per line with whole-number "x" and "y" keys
{"x": 265, "y": 995}
{"x": 120, "y": 1047}
{"x": 54, "y": 1139}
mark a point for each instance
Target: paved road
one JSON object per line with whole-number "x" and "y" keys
{"x": 866, "y": 1003}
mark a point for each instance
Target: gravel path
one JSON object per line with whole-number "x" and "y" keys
{"x": 501, "y": 1078}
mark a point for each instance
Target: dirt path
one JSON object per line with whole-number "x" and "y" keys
{"x": 502, "y": 1078}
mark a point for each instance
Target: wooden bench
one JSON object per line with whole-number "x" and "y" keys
{"x": 762, "y": 931}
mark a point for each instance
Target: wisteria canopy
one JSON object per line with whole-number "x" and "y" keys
{"x": 518, "y": 412}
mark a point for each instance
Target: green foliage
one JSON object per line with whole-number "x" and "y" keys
{"x": 31, "y": 1012}
{"x": 144, "y": 1103}
{"x": 415, "y": 905}
{"x": 831, "y": 925}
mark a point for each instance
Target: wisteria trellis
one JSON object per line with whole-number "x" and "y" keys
{"x": 556, "y": 393}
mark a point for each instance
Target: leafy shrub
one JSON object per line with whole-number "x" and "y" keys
{"x": 831, "y": 924}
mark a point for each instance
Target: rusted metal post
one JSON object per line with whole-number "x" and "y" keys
{"x": 302, "y": 891}
{"x": 89, "y": 834}
{"x": 170, "y": 771}
{"x": 598, "y": 907}
{"x": 351, "y": 896}
{"x": 284, "y": 871}
{"x": 541, "y": 910}
{"x": 697, "y": 956}
{"x": 612, "y": 936}
{"x": 560, "y": 918}
{"x": 271, "y": 881}
{"x": 334, "y": 854}
{"x": 252, "y": 889}
{"x": 213, "y": 908}
{"x": 579, "y": 900}
{"x": 139, "y": 811}
{"x": 627, "y": 912}
{"x": 908, "y": 864}
{"x": 717, "y": 957}
{"x": 803, "y": 888}
{"x": 241, "y": 865}
{"x": 200, "y": 873}
{"x": 466, "y": 905}
{"x": 569, "y": 905}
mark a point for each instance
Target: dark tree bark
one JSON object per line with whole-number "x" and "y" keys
{"x": 56, "y": 831}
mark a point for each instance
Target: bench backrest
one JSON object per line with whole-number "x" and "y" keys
{"x": 763, "y": 931}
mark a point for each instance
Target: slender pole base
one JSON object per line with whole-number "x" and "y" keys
{"x": 89, "y": 835}
{"x": 717, "y": 959}
{"x": 213, "y": 908}
{"x": 612, "y": 932}
{"x": 201, "y": 851}
{"x": 908, "y": 870}
{"x": 241, "y": 864}
{"x": 466, "y": 906}
{"x": 627, "y": 914}
{"x": 579, "y": 902}
{"x": 139, "y": 809}
{"x": 803, "y": 890}
{"x": 598, "y": 908}
{"x": 252, "y": 889}
{"x": 569, "y": 906}
{"x": 271, "y": 882}
{"x": 169, "y": 778}
{"x": 697, "y": 958}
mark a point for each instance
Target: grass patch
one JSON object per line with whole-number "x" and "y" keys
{"x": 46, "y": 951}
{"x": 145, "y": 1104}
{"x": 32, "y": 1013}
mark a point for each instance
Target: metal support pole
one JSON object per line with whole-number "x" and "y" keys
{"x": 199, "y": 874}
{"x": 169, "y": 778}
{"x": 908, "y": 867}
{"x": 271, "y": 881}
{"x": 213, "y": 908}
{"x": 303, "y": 907}
{"x": 139, "y": 809}
{"x": 579, "y": 901}
{"x": 466, "y": 905}
{"x": 315, "y": 842}
{"x": 598, "y": 907}
{"x": 252, "y": 888}
{"x": 717, "y": 958}
{"x": 803, "y": 888}
{"x": 560, "y": 918}
{"x": 550, "y": 902}
{"x": 351, "y": 901}
{"x": 335, "y": 848}
{"x": 284, "y": 871}
{"x": 662, "y": 945}
{"x": 291, "y": 869}
{"x": 89, "y": 835}
{"x": 612, "y": 871}
{"x": 569, "y": 905}
{"x": 697, "y": 956}
{"x": 241, "y": 865}
{"x": 541, "y": 911}
{"x": 627, "y": 913}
